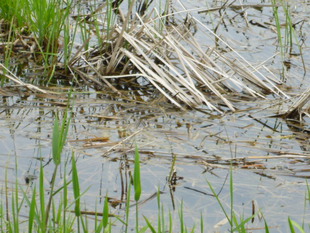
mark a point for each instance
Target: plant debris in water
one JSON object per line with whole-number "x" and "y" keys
{"x": 136, "y": 47}
{"x": 130, "y": 69}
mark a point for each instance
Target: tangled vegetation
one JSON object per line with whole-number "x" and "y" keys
{"x": 117, "y": 45}
{"x": 125, "y": 48}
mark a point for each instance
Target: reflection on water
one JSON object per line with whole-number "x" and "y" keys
{"x": 268, "y": 158}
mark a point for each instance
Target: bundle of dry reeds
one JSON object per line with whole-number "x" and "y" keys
{"x": 170, "y": 58}
{"x": 162, "y": 50}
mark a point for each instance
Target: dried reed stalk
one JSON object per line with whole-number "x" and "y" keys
{"x": 176, "y": 64}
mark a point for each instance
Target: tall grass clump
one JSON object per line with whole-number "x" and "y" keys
{"x": 44, "y": 18}
{"x": 41, "y": 206}
{"x": 110, "y": 19}
{"x": 287, "y": 37}
{"x": 60, "y": 132}
{"x": 14, "y": 20}
{"x": 48, "y": 22}
{"x": 36, "y": 25}
{"x": 15, "y": 12}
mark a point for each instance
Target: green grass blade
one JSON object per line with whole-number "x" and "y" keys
{"x": 231, "y": 190}
{"x": 278, "y": 25}
{"x": 32, "y": 211}
{"x": 293, "y": 224}
{"x": 99, "y": 227}
{"x": 148, "y": 223}
{"x": 76, "y": 187}
{"x": 65, "y": 126}
{"x": 137, "y": 178}
{"x": 105, "y": 216}
{"x": 137, "y": 184}
{"x": 15, "y": 211}
{"x": 162, "y": 225}
{"x": 84, "y": 224}
{"x": 181, "y": 217}
{"x": 219, "y": 201}
{"x": 2, "y": 214}
{"x": 240, "y": 227}
{"x": 65, "y": 200}
{"x": 266, "y": 228}
{"x": 56, "y": 142}
{"x": 170, "y": 222}
{"x": 60, "y": 132}
{"x": 201, "y": 223}
{"x": 42, "y": 199}
{"x": 143, "y": 229}
{"x": 159, "y": 217}
{"x": 127, "y": 207}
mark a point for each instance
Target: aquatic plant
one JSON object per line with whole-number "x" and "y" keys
{"x": 144, "y": 42}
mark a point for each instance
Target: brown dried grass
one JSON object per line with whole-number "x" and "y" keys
{"x": 169, "y": 58}
{"x": 174, "y": 63}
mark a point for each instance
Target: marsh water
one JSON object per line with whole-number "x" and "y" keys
{"x": 269, "y": 156}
